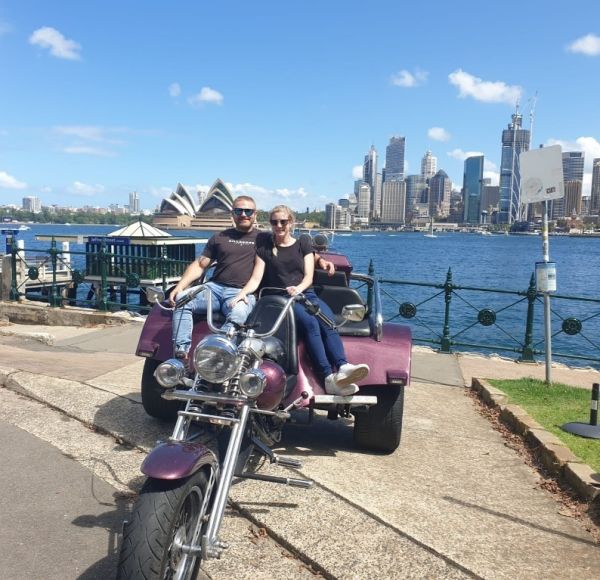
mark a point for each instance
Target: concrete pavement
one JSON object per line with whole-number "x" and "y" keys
{"x": 453, "y": 501}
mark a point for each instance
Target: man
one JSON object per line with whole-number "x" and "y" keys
{"x": 233, "y": 250}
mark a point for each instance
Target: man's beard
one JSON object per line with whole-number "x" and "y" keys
{"x": 242, "y": 227}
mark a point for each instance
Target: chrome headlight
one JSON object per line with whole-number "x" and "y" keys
{"x": 170, "y": 373}
{"x": 216, "y": 359}
{"x": 253, "y": 383}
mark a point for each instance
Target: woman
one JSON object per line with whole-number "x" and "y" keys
{"x": 283, "y": 261}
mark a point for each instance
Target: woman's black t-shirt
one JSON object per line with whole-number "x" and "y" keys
{"x": 287, "y": 267}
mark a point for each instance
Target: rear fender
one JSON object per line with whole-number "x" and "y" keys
{"x": 177, "y": 459}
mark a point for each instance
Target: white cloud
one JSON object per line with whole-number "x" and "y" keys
{"x": 494, "y": 176}
{"x": 291, "y": 193}
{"x": 438, "y": 134}
{"x": 409, "y": 80}
{"x": 484, "y": 91}
{"x": 91, "y": 132}
{"x": 59, "y": 46}
{"x": 462, "y": 155}
{"x": 88, "y": 150}
{"x": 588, "y": 45}
{"x": 357, "y": 172}
{"x": 174, "y": 89}
{"x": 591, "y": 150}
{"x": 79, "y": 188}
{"x": 9, "y": 182}
{"x": 5, "y": 28}
{"x": 206, "y": 95}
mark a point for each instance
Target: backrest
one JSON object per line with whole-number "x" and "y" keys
{"x": 321, "y": 278}
{"x": 266, "y": 311}
{"x": 336, "y": 297}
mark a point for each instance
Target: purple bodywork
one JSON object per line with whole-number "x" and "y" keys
{"x": 176, "y": 459}
{"x": 388, "y": 358}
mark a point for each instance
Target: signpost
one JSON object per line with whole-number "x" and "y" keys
{"x": 542, "y": 180}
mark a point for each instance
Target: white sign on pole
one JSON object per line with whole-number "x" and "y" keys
{"x": 542, "y": 174}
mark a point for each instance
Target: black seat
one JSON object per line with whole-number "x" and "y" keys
{"x": 266, "y": 311}
{"x": 336, "y": 297}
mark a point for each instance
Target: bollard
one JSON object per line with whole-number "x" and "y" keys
{"x": 590, "y": 430}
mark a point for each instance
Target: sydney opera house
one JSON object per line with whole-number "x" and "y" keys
{"x": 181, "y": 211}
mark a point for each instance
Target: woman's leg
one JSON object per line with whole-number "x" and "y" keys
{"x": 310, "y": 331}
{"x": 334, "y": 347}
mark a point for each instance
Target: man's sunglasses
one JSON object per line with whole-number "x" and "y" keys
{"x": 240, "y": 211}
{"x": 279, "y": 222}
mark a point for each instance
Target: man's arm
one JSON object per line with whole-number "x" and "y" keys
{"x": 192, "y": 272}
{"x": 324, "y": 264}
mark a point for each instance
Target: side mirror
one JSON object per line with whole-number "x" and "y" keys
{"x": 155, "y": 294}
{"x": 354, "y": 312}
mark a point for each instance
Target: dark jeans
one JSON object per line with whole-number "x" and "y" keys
{"x": 323, "y": 344}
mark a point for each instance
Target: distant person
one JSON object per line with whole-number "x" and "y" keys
{"x": 233, "y": 251}
{"x": 285, "y": 262}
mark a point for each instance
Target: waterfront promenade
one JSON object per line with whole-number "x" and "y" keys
{"x": 453, "y": 502}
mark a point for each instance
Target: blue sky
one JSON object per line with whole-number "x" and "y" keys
{"x": 280, "y": 99}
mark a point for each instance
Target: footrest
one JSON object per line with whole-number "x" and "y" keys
{"x": 351, "y": 400}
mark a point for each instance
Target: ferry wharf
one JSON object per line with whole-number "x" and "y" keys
{"x": 454, "y": 501}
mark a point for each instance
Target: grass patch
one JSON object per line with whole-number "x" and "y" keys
{"x": 553, "y": 406}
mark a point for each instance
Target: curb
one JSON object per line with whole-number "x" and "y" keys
{"x": 551, "y": 451}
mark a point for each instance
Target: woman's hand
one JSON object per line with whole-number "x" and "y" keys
{"x": 293, "y": 290}
{"x": 239, "y": 297}
{"x": 173, "y": 296}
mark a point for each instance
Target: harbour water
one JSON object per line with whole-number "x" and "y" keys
{"x": 496, "y": 261}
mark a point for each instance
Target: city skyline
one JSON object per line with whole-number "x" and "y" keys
{"x": 279, "y": 102}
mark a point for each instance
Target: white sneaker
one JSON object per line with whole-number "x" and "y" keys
{"x": 349, "y": 373}
{"x": 332, "y": 388}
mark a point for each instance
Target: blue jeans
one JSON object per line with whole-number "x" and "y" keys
{"x": 221, "y": 295}
{"x": 323, "y": 344}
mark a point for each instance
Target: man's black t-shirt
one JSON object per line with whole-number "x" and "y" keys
{"x": 234, "y": 252}
{"x": 287, "y": 267}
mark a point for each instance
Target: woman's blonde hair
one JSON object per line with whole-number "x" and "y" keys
{"x": 290, "y": 216}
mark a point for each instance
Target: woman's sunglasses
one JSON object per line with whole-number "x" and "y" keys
{"x": 240, "y": 211}
{"x": 279, "y": 222}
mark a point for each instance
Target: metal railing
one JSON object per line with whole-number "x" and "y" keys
{"x": 449, "y": 315}
{"x": 493, "y": 319}
{"x": 108, "y": 280}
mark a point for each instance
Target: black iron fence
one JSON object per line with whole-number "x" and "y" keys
{"x": 445, "y": 314}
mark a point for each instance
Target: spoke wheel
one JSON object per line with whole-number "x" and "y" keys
{"x": 168, "y": 518}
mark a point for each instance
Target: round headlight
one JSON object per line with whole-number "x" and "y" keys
{"x": 170, "y": 373}
{"x": 253, "y": 383}
{"x": 216, "y": 359}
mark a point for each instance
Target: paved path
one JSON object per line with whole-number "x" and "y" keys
{"x": 452, "y": 502}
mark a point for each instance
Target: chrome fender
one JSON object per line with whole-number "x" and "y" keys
{"x": 177, "y": 459}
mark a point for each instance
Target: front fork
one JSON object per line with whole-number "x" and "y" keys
{"x": 212, "y": 547}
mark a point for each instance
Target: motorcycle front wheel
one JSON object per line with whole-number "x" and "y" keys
{"x": 166, "y": 516}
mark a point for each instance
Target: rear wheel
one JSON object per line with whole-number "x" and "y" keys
{"x": 379, "y": 428}
{"x": 167, "y": 516}
{"x": 152, "y": 392}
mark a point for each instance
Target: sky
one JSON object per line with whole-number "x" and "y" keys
{"x": 279, "y": 99}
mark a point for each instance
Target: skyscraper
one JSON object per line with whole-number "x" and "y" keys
{"x": 572, "y": 199}
{"x": 134, "y": 202}
{"x": 394, "y": 159}
{"x": 370, "y": 177}
{"x": 515, "y": 140}
{"x": 595, "y": 197}
{"x": 393, "y": 202}
{"x": 572, "y": 162}
{"x": 440, "y": 189}
{"x": 472, "y": 189}
{"x": 416, "y": 191}
{"x": 364, "y": 200}
{"x": 428, "y": 165}
{"x": 32, "y": 204}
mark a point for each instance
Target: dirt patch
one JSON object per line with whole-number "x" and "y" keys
{"x": 571, "y": 505}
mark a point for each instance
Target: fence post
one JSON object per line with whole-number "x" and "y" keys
{"x": 163, "y": 265}
{"x": 14, "y": 292}
{"x": 446, "y": 342}
{"x": 527, "y": 352}
{"x": 370, "y": 272}
{"x": 103, "y": 301}
{"x": 54, "y": 297}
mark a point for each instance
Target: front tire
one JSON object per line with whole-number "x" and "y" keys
{"x": 379, "y": 428}
{"x": 167, "y": 515}
{"x": 152, "y": 400}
